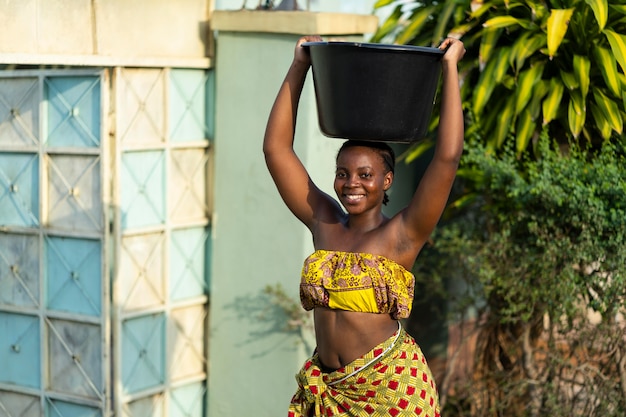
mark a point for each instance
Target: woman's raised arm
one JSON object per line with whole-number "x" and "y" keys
{"x": 297, "y": 190}
{"x": 431, "y": 196}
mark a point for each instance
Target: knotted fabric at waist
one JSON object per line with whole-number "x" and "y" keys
{"x": 394, "y": 374}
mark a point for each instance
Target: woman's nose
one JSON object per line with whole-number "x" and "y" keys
{"x": 353, "y": 180}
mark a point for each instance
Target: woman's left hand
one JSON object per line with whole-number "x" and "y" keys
{"x": 454, "y": 50}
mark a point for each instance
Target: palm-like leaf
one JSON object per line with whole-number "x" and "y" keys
{"x": 553, "y": 101}
{"x": 600, "y": 10}
{"x": 582, "y": 65}
{"x": 576, "y": 113}
{"x": 558, "y": 23}
{"x": 534, "y": 64}
{"x": 527, "y": 81}
{"x": 524, "y": 131}
{"x": 606, "y": 64}
{"x": 618, "y": 47}
{"x": 610, "y": 110}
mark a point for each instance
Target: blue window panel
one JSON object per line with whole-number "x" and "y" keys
{"x": 57, "y": 408}
{"x": 73, "y": 275}
{"x": 143, "y": 352}
{"x": 17, "y": 404}
{"x": 143, "y": 189}
{"x": 19, "y": 112}
{"x": 73, "y": 111}
{"x": 19, "y": 189}
{"x": 74, "y": 193}
{"x": 189, "y": 260}
{"x": 74, "y": 363}
{"x": 151, "y": 406}
{"x": 188, "y": 105}
{"x": 188, "y": 401}
{"x": 20, "y": 350}
{"x": 19, "y": 270}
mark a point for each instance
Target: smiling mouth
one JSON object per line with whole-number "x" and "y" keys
{"x": 353, "y": 198}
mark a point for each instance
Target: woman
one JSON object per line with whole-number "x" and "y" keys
{"x": 358, "y": 280}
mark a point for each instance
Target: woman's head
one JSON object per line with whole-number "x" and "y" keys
{"x": 371, "y": 164}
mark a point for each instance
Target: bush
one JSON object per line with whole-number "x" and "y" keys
{"x": 542, "y": 254}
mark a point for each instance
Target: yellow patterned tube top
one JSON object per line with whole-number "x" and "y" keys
{"x": 359, "y": 282}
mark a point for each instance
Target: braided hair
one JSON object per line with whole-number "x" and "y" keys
{"x": 382, "y": 149}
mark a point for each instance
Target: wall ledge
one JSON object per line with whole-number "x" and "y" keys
{"x": 103, "y": 61}
{"x": 293, "y": 22}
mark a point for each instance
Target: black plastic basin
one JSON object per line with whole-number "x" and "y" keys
{"x": 376, "y": 92}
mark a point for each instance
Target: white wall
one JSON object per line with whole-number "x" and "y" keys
{"x": 111, "y": 32}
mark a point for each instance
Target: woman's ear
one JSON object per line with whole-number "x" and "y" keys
{"x": 388, "y": 180}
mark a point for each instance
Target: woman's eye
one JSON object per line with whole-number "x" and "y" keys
{"x": 340, "y": 175}
{"x": 366, "y": 175}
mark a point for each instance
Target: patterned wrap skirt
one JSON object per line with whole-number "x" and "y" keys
{"x": 393, "y": 379}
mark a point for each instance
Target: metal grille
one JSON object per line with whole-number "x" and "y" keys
{"x": 162, "y": 280}
{"x": 104, "y": 242}
{"x": 54, "y": 302}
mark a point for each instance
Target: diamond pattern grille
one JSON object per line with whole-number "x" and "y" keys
{"x": 56, "y": 198}
{"x": 188, "y": 105}
{"x": 19, "y": 202}
{"x": 13, "y": 404}
{"x": 19, "y": 270}
{"x": 187, "y": 353}
{"x": 188, "y": 185}
{"x": 152, "y": 406}
{"x": 142, "y": 275}
{"x": 73, "y": 274}
{"x": 143, "y": 342}
{"x": 74, "y": 193}
{"x": 143, "y": 199}
{"x": 75, "y": 367}
{"x": 56, "y": 408}
{"x": 19, "y": 112}
{"x": 73, "y": 111}
{"x": 189, "y": 253}
{"x": 46, "y": 190}
{"x": 141, "y": 96}
{"x": 188, "y": 401}
{"x": 20, "y": 343}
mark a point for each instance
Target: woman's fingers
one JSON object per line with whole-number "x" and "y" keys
{"x": 302, "y": 54}
{"x": 309, "y": 38}
{"x": 454, "y": 49}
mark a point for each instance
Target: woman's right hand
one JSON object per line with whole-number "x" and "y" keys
{"x": 301, "y": 54}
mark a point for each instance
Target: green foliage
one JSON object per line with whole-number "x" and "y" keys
{"x": 530, "y": 64}
{"x": 557, "y": 224}
{"x": 534, "y": 249}
{"x": 541, "y": 251}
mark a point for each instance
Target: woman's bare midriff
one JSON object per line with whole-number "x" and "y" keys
{"x": 343, "y": 336}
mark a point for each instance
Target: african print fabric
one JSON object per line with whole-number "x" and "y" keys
{"x": 354, "y": 281}
{"x": 393, "y": 379}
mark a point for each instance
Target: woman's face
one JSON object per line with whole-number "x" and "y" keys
{"x": 360, "y": 179}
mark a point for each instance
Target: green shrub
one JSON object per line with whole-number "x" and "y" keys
{"x": 542, "y": 254}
